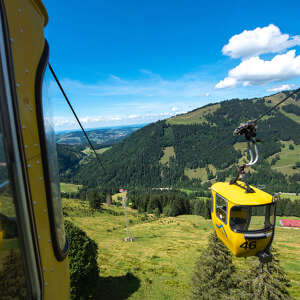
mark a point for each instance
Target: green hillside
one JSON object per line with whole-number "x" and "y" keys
{"x": 161, "y": 260}
{"x": 178, "y": 151}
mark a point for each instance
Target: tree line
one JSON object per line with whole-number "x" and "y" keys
{"x": 172, "y": 202}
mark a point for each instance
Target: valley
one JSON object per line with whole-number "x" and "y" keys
{"x": 99, "y": 136}
{"x": 168, "y": 167}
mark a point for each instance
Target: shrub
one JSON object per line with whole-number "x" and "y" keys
{"x": 84, "y": 269}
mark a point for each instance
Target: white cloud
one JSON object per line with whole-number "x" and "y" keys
{"x": 250, "y": 43}
{"x": 115, "y": 101}
{"x": 283, "y": 87}
{"x": 255, "y": 71}
{"x": 150, "y": 86}
{"x": 133, "y": 116}
{"x": 227, "y": 82}
{"x": 207, "y": 94}
{"x": 86, "y": 120}
{"x": 63, "y": 122}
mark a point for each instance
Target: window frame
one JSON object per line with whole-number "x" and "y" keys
{"x": 60, "y": 254}
{"x": 271, "y": 227}
{"x": 226, "y": 201}
{"x": 16, "y": 164}
{"x": 212, "y": 202}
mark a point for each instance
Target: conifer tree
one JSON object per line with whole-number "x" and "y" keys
{"x": 213, "y": 272}
{"x": 264, "y": 282}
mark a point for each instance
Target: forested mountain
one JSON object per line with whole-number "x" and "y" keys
{"x": 178, "y": 151}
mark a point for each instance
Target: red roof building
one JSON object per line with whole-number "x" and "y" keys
{"x": 289, "y": 223}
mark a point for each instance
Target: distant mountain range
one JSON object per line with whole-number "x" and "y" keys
{"x": 183, "y": 150}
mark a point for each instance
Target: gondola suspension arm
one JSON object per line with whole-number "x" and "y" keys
{"x": 249, "y": 130}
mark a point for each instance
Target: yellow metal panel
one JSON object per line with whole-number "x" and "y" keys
{"x": 26, "y": 19}
{"x": 238, "y": 195}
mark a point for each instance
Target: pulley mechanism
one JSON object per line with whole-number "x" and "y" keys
{"x": 249, "y": 131}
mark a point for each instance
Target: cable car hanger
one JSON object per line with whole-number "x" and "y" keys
{"x": 248, "y": 129}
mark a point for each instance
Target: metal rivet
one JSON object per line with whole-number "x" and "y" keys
{"x": 23, "y": 126}
{"x": 34, "y": 202}
{"x": 44, "y": 211}
{"x": 26, "y": 70}
{"x": 37, "y": 162}
{"x": 18, "y": 84}
{"x": 28, "y": 165}
{"x": 41, "y": 178}
{"x": 52, "y": 269}
{"x": 26, "y": 146}
{"x": 19, "y": 10}
{"x": 46, "y": 283}
{"x": 11, "y": 39}
{"x": 49, "y": 241}
{"x": 21, "y": 30}
{"x": 39, "y": 237}
{"x": 35, "y": 145}
{"x": 44, "y": 269}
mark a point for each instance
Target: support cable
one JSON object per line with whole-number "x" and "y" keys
{"x": 280, "y": 102}
{"x": 74, "y": 113}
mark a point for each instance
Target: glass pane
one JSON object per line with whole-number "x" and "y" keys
{"x": 238, "y": 218}
{"x": 252, "y": 218}
{"x": 257, "y": 222}
{"x": 221, "y": 208}
{"x": 53, "y": 163}
{"x": 11, "y": 264}
{"x": 272, "y": 214}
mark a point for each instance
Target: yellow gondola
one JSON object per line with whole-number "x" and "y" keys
{"x": 235, "y": 206}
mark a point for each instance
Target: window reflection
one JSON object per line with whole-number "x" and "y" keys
{"x": 221, "y": 208}
{"x": 53, "y": 164}
{"x": 12, "y": 278}
{"x": 252, "y": 218}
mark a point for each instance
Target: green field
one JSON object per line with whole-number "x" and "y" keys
{"x": 159, "y": 264}
{"x": 89, "y": 151}
{"x": 288, "y": 159}
{"x": 69, "y": 187}
{"x": 194, "y": 117}
{"x": 290, "y": 196}
{"x": 199, "y": 173}
{"x": 168, "y": 153}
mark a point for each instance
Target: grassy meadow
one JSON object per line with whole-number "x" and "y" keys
{"x": 69, "y": 187}
{"x": 160, "y": 262}
{"x": 288, "y": 159}
{"x": 89, "y": 151}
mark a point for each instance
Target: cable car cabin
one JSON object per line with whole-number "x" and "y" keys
{"x": 33, "y": 244}
{"x": 234, "y": 215}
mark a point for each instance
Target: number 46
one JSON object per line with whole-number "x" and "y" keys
{"x": 247, "y": 245}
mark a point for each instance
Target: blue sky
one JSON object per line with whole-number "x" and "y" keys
{"x": 130, "y": 62}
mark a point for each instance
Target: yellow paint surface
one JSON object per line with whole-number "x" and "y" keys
{"x": 26, "y": 19}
